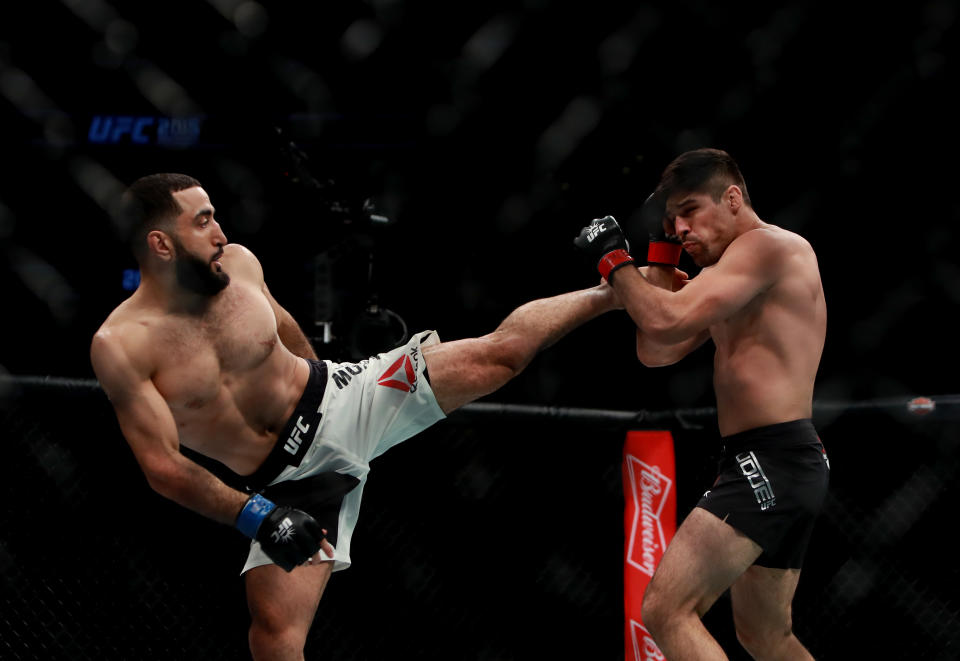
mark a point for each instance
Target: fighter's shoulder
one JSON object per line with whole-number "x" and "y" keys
{"x": 241, "y": 260}
{"x": 772, "y": 242}
{"x": 124, "y": 340}
{"x": 235, "y": 251}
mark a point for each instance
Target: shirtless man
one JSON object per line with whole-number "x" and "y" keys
{"x": 759, "y": 298}
{"x": 202, "y": 355}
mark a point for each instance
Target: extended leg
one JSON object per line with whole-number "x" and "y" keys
{"x": 463, "y": 370}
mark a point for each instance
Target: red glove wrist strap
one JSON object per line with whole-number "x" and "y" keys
{"x": 664, "y": 252}
{"x": 613, "y": 260}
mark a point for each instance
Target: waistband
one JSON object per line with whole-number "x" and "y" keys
{"x": 297, "y": 435}
{"x": 778, "y": 435}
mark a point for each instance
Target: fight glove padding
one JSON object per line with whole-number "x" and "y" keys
{"x": 604, "y": 240}
{"x": 664, "y": 249}
{"x": 288, "y": 536}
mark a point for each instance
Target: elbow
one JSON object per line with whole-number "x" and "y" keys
{"x": 162, "y": 476}
{"x": 652, "y": 360}
{"x": 655, "y": 356}
{"x": 663, "y": 332}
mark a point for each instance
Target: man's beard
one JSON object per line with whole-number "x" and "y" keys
{"x": 196, "y": 275}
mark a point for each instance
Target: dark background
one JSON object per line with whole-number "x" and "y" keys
{"x": 489, "y": 133}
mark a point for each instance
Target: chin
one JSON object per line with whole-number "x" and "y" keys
{"x": 221, "y": 280}
{"x": 219, "y": 276}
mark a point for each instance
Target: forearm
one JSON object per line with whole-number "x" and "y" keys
{"x": 659, "y": 276}
{"x": 192, "y": 486}
{"x": 648, "y": 305}
{"x": 649, "y": 351}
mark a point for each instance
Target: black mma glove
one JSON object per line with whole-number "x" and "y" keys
{"x": 288, "y": 536}
{"x": 664, "y": 249}
{"x": 603, "y": 240}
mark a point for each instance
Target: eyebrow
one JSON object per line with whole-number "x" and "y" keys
{"x": 672, "y": 211}
{"x": 206, "y": 211}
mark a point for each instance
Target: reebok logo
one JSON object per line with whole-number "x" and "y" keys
{"x": 402, "y": 375}
{"x": 284, "y": 532}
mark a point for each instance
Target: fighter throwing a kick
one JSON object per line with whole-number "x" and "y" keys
{"x": 202, "y": 355}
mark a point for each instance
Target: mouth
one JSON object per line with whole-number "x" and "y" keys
{"x": 215, "y": 262}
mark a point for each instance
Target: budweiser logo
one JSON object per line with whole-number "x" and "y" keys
{"x": 644, "y": 649}
{"x": 650, "y": 488}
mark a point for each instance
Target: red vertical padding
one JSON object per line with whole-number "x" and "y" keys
{"x": 649, "y": 521}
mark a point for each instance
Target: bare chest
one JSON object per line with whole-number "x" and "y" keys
{"x": 201, "y": 358}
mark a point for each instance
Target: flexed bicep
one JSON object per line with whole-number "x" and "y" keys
{"x": 748, "y": 267}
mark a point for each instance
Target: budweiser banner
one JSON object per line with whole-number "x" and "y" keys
{"x": 649, "y": 520}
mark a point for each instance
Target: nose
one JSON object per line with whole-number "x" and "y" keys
{"x": 219, "y": 238}
{"x": 681, "y": 227}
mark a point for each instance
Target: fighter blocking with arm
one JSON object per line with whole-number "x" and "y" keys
{"x": 759, "y": 299}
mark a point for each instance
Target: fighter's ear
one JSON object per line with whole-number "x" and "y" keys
{"x": 160, "y": 244}
{"x": 733, "y": 198}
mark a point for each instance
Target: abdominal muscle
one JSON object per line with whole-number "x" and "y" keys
{"x": 758, "y": 389}
{"x": 238, "y": 426}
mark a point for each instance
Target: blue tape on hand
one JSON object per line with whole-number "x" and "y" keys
{"x": 253, "y": 514}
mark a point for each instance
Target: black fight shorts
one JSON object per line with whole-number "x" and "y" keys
{"x": 771, "y": 486}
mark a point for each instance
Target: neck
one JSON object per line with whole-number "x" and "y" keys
{"x": 163, "y": 289}
{"x": 748, "y": 220}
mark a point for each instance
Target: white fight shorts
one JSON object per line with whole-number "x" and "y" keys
{"x": 366, "y": 409}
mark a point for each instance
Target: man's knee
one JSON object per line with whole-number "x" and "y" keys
{"x": 275, "y": 638}
{"x": 762, "y": 642}
{"x": 508, "y": 350}
{"x": 654, "y": 611}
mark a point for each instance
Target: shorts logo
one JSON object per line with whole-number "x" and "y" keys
{"x": 402, "y": 375}
{"x": 750, "y": 467}
{"x": 345, "y": 374}
{"x": 294, "y": 442}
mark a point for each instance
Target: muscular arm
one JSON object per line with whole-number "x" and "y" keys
{"x": 748, "y": 267}
{"x": 658, "y": 354}
{"x": 150, "y": 429}
{"x": 289, "y": 330}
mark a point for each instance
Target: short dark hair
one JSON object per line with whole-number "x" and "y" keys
{"x": 705, "y": 170}
{"x": 148, "y": 204}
